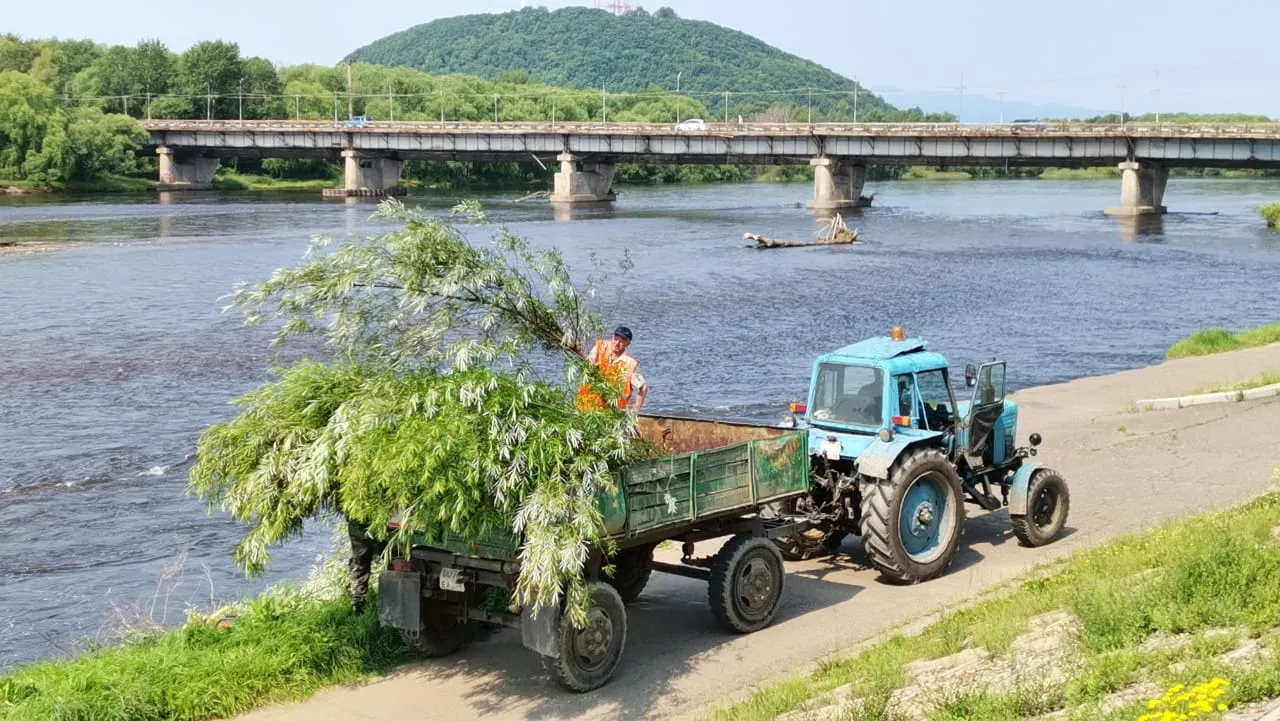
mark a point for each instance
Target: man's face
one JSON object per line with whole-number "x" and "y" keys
{"x": 619, "y": 344}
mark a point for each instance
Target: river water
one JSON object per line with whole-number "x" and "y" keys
{"x": 114, "y": 355}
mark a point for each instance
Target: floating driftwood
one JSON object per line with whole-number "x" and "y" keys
{"x": 536, "y": 194}
{"x": 834, "y": 232}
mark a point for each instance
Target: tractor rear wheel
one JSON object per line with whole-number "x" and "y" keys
{"x": 1047, "y": 504}
{"x": 911, "y": 523}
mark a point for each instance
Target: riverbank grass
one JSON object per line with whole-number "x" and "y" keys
{"x": 281, "y": 646}
{"x": 105, "y": 184}
{"x": 1271, "y": 213}
{"x": 1178, "y": 619}
{"x": 918, "y": 173}
{"x": 237, "y": 181}
{"x": 1221, "y": 340}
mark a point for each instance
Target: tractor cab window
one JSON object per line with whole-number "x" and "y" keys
{"x": 850, "y": 395}
{"x": 934, "y": 394}
{"x": 904, "y": 386}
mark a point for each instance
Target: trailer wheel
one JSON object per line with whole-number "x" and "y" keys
{"x": 440, "y": 634}
{"x": 1048, "y": 502}
{"x": 911, "y": 523}
{"x": 746, "y": 583}
{"x": 632, "y": 568}
{"x": 589, "y": 655}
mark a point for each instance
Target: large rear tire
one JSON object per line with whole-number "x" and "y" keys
{"x": 911, "y": 523}
{"x": 1048, "y": 502}
{"x": 746, "y": 583}
{"x": 589, "y": 655}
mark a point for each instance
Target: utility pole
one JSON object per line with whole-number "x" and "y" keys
{"x": 391, "y": 103}
{"x": 1121, "y": 105}
{"x": 1001, "y": 94}
{"x": 604, "y": 109}
{"x": 960, "y": 114}
{"x": 241, "y": 96}
{"x": 677, "y": 97}
{"x": 351, "y": 107}
{"x": 208, "y": 102}
{"x": 855, "y": 99}
{"x": 297, "y": 107}
{"x": 726, "y": 107}
{"x": 335, "y": 108}
{"x": 495, "y": 108}
{"x": 125, "y": 100}
{"x": 811, "y": 106}
{"x": 148, "y": 101}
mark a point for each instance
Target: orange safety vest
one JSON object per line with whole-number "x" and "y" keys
{"x": 616, "y": 371}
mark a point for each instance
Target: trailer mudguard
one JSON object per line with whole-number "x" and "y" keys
{"x": 541, "y": 633}
{"x": 1018, "y": 489}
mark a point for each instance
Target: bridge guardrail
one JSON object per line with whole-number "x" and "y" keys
{"x": 1136, "y": 130}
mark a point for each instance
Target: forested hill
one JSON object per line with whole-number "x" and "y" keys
{"x": 591, "y": 48}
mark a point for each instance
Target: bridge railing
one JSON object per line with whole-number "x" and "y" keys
{"x": 1074, "y": 129}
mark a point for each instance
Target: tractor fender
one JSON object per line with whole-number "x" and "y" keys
{"x": 880, "y": 456}
{"x": 1021, "y": 484}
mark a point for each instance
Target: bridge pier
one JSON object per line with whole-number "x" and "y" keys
{"x": 1141, "y": 190}
{"x": 184, "y": 171}
{"x": 582, "y": 182}
{"x": 368, "y": 176}
{"x": 837, "y": 184}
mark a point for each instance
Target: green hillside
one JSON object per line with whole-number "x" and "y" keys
{"x": 591, "y": 48}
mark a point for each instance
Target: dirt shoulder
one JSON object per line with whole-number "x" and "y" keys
{"x": 1127, "y": 472}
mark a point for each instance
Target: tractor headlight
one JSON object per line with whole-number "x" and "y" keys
{"x": 885, "y": 435}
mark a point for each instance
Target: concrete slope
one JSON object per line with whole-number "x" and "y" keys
{"x": 1127, "y": 472}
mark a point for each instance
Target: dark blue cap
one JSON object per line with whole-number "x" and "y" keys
{"x": 623, "y": 332}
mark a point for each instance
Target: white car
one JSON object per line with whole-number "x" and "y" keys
{"x": 692, "y": 124}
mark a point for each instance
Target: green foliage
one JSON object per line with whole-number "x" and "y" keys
{"x": 1220, "y": 340}
{"x": 1271, "y": 213}
{"x": 634, "y": 52}
{"x": 431, "y": 407}
{"x": 283, "y": 646}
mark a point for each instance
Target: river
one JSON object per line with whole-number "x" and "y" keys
{"x": 114, "y": 355}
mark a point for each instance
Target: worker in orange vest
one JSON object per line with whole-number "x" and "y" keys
{"x": 618, "y": 368}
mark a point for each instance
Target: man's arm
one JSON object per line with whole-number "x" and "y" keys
{"x": 640, "y": 396}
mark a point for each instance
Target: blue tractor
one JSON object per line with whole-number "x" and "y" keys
{"x": 894, "y": 456}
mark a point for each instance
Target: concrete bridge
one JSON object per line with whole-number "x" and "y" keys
{"x": 374, "y": 153}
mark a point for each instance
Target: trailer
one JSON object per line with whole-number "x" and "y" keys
{"x": 714, "y": 482}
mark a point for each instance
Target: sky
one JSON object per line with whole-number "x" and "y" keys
{"x": 1135, "y": 55}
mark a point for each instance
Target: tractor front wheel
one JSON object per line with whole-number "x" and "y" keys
{"x": 911, "y": 523}
{"x": 1047, "y": 504}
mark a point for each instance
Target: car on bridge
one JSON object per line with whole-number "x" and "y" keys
{"x": 692, "y": 124}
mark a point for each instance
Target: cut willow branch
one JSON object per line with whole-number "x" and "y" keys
{"x": 412, "y": 417}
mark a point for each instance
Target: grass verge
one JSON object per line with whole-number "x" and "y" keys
{"x": 1221, "y": 340}
{"x": 1220, "y": 571}
{"x": 1266, "y": 379}
{"x": 1271, "y": 213}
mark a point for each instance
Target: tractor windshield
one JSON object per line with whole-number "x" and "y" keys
{"x": 849, "y": 395}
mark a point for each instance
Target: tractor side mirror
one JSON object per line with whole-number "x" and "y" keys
{"x": 970, "y": 375}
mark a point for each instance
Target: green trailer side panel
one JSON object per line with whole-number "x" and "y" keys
{"x": 677, "y": 491}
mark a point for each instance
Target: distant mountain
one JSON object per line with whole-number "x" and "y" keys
{"x": 592, "y": 48}
{"x": 985, "y": 109}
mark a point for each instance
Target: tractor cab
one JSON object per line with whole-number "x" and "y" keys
{"x": 894, "y": 455}
{"x": 894, "y": 391}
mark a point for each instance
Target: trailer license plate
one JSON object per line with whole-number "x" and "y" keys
{"x": 451, "y": 579}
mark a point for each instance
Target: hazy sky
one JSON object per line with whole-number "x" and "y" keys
{"x": 1168, "y": 54}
